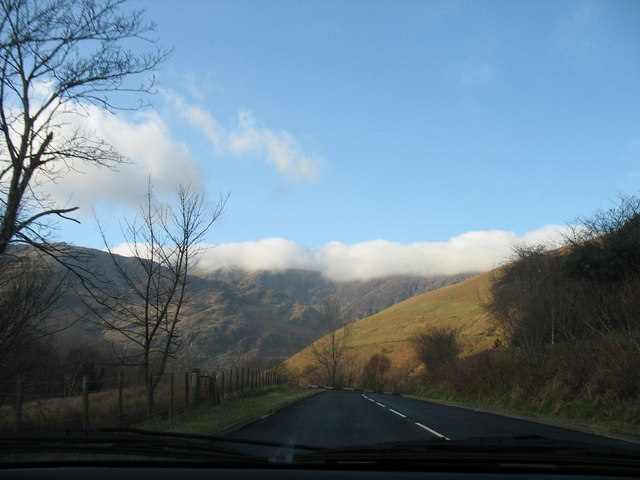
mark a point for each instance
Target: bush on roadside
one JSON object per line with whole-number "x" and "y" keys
{"x": 436, "y": 348}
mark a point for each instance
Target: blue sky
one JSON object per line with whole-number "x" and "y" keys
{"x": 409, "y": 122}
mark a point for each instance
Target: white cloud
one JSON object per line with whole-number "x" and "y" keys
{"x": 153, "y": 154}
{"x": 469, "y": 252}
{"x": 268, "y": 254}
{"x": 200, "y": 119}
{"x": 249, "y": 137}
{"x": 281, "y": 149}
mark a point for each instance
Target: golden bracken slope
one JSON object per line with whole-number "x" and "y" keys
{"x": 458, "y": 306}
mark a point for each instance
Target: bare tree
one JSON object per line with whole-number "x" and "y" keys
{"x": 146, "y": 311}
{"x": 57, "y": 57}
{"x": 330, "y": 350}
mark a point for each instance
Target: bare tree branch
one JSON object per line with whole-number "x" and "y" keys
{"x": 330, "y": 350}
{"x": 55, "y": 57}
{"x": 146, "y": 310}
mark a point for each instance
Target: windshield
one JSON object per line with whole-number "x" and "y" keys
{"x": 312, "y": 226}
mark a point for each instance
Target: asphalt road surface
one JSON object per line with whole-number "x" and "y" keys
{"x": 337, "y": 419}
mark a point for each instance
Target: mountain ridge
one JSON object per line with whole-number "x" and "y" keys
{"x": 235, "y": 317}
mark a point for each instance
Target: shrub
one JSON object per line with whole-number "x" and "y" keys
{"x": 436, "y": 347}
{"x": 375, "y": 372}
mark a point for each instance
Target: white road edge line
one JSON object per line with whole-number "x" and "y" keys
{"x": 378, "y": 403}
{"x": 397, "y": 413}
{"x": 432, "y": 431}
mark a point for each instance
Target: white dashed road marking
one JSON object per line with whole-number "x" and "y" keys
{"x": 397, "y": 413}
{"x": 430, "y": 430}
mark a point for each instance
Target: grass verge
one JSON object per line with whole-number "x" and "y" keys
{"x": 581, "y": 414}
{"x": 237, "y": 408}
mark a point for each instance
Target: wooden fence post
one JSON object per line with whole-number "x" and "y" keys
{"x": 186, "y": 390}
{"x": 193, "y": 394}
{"x": 222, "y": 386}
{"x": 120, "y": 403}
{"x": 171, "y": 396}
{"x": 214, "y": 388}
{"x": 85, "y": 401}
{"x": 19, "y": 398}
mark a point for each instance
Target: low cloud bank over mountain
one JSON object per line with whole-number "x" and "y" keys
{"x": 470, "y": 252}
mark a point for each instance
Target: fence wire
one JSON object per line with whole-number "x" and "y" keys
{"x": 83, "y": 403}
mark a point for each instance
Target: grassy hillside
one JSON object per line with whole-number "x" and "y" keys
{"x": 458, "y": 306}
{"x": 235, "y": 317}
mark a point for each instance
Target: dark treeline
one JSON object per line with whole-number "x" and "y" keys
{"x": 570, "y": 326}
{"x": 587, "y": 289}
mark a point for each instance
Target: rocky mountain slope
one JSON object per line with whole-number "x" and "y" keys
{"x": 234, "y": 317}
{"x": 223, "y": 324}
{"x": 361, "y": 298}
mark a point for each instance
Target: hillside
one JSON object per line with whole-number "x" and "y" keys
{"x": 228, "y": 325}
{"x": 223, "y": 324}
{"x": 234, "y": 317}
{"x": 458, "y": 305}
{"x": 305, "y": 286}
{"x": 361, "y": 298}
{"x": 368, "y": 297}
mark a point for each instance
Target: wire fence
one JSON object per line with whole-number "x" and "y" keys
{"x": 84, "y": 403}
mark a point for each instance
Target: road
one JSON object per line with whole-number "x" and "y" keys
{"x": 335, "y": 419}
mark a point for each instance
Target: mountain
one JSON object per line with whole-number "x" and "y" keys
{"x": 306, "y": 286}
{"x": 387, "y": 332}
{"x": 361, "y": 298}
{"x": 366, "y": 298}
{"x": 223, "y": 324}
{"x": 234, "y": 317}
{"x": 229, "y": 324}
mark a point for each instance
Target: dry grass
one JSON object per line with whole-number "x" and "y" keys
{"x": 456, "y": 306}
{"x": 238, "y": 407}
{"x": 594, "y": 382}
{"x": 67, "y": 412}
